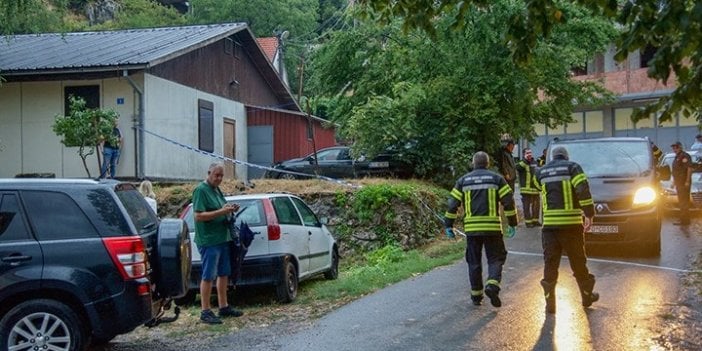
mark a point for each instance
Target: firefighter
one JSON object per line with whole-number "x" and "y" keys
{"x": 565, "y": 195}
{"x": 526, "y": 168}
{"x": 541, "y": 161}
{"x": 682, "y": 176}
{"x": 657, "y": 153}
{"x": 479, "y": 193}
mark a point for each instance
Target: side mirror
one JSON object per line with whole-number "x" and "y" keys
{"x": 310, "y": 159}
{"x": 324, "y": 220}
{"x": 663, "y": 172}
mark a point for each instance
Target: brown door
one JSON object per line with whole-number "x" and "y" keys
{"x": 229, "y": 148}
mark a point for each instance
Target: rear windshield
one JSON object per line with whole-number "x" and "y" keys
{"x": 138, "y": 209}
{"x": 250, "y": 211}
{"x": 611, "y": 159}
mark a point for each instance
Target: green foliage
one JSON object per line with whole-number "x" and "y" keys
{"x": 143, "y": 14}
{"x": 372, "y": 199}
{"x": 456, "y": 92}
{"x": 85, "y": 128}
{"x": 385, "y": 255}
{"x": 31, "y": 16}
{"x": 672, "y": 27}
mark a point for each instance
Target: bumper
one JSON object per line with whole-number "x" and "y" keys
{"x": 632, "y": 228}
{"x": 256, "y": 270}
{"x": 122, "y": 313}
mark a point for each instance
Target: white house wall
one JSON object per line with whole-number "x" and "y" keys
{"x": 171, "y": 111}
{"x": 27, "y": 114}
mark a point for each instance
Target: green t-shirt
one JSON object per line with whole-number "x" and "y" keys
{"x": 215, "y": 231}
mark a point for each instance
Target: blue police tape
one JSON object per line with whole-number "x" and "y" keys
{"x": 239, "y": 162}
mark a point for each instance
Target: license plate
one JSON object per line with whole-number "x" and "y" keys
{"x": 604, "y": 229}
{"x": 384, "y": 164}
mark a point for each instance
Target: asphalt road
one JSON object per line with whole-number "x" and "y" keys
{"x": 433, "y": 311}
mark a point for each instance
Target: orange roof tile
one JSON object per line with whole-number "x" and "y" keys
{"x": 269, "y": 46}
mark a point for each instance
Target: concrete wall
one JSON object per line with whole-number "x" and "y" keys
{"x": 171, "y": 111}
{"x": 27, "y": 113}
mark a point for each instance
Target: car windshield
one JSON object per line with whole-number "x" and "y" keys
{"x": 138, "y": 209}
{"x": 611, "y": 159}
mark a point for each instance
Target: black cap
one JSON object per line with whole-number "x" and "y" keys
{"x": 698, "y": 136}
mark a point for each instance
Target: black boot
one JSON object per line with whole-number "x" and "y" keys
{"x": 586, "y": 292}
{"x": 477, "y": 299}
{"x": 493, "y": 293}
{"x": 550, "y": 295}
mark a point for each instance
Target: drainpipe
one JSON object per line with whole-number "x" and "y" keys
{"x": 138, "y": 125}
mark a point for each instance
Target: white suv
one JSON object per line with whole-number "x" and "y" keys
{"x": 290, "y": 244}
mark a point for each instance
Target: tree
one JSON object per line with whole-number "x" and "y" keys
{"x": 31, "y": 16}
{"x": 672, "y": 27}
{"x": 449, "y": 95}
{"x": 85, "y": 128}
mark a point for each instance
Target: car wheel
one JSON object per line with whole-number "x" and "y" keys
{"x": 286, "y": 291}
{"x": 40, "y": 325}
{"x": 187, "y": 300}
{"x": 174, "y": 258}
{"x": 333, "y": 272}
{"x": 287, "y": 176}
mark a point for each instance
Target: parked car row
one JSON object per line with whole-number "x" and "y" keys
{"x": 337, "y": 162}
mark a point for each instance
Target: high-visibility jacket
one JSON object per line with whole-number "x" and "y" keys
{"x": 565, "y": 193}
{"x": 527, "y": 181}
{"x": 479, "y": 193}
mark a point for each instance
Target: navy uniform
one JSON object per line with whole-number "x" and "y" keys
{"x": 565, "y": 195}
{"x": 682, "y": 175}
{"x": 526, "y": 169}
{"x": 480, "y": 192}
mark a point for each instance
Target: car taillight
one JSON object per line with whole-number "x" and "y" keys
{"x": 128, "y": 255}
{"x": 272, "y": 220}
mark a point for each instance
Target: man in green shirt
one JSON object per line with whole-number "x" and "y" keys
{"x": 212, "y": 239}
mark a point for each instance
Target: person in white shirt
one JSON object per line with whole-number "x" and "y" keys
{"x": 147, "y": 190}
{"x": 697, "y": 145}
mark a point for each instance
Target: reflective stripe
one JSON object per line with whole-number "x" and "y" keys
{"x": 479, "y": 187}
{"x": 450, "y": 215}
{"x": 492, "y": 282}
{"x": 586, "y": 202}
{"x": 482, "y": 219}
{"x": 476, "y": 292}
{"x": 511, "y": 213}
{"x": 456, "y": 194}
{"x": 555, "y": 179}
{"x": 492, "y": 202}
{"x": 567, "y": 195}
{"x": 563, "y": 212}
{"x": 548, "y": 221}
{"x": 578, "y": 179}
{"x": 483, "y": 228}
{"x": 467, "y": 204}
{"x": 504, "y": 191}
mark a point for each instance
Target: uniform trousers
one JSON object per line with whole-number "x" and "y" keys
{"x": 496, "y": 256}
{"x": 568, "y": 238}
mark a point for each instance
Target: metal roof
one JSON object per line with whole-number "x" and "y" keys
{"x": 107, "y": 49}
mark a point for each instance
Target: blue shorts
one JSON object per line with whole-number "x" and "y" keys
{"x": 215, "y": 261}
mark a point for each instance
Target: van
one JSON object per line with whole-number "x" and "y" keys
{"x": 625, "y": 187}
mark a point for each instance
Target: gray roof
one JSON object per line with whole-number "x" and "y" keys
{"x": 85, "y": 51}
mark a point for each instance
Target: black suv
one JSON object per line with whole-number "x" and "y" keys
{"x": 82, "y": 261}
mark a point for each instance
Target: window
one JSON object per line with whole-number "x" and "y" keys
{"x": 237, "y": 49}
{"x": 205, "y": 126}
{"x": 251, "y": 212}
{"x": 308, "y": 217}
{"x": 285, "y": 211}
{"x": 12, "y": 226}
{"x": 89, "y": 93}
{"x": 55, "y": 216}
{"x": 329, "y": 155}
{"x": 594, "y": 121}
{"x": 138, "y": 209}
{"x": 575, "y": 127}
{"x": 622, "y": 118}
{"x": 646, "y": 55}
{"x": 310, "y": 130}
{"x": 228, "y": 46}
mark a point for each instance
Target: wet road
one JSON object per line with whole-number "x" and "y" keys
{"x": 433, "y": 311}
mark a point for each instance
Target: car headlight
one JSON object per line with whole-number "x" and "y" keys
{"x": 644, "y": 196}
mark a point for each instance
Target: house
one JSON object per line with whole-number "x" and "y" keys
{"x": 173, "y": 87}
{"x": 629, "y": 81}
{"x": 273, "y": 48}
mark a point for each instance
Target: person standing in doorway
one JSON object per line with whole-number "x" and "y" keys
{"x": 526, "y": 168}
{"x": 682, "y": 177}
{"x": 111, "y": 152}
{"x": 568, "y": 213}
{"x": 212, "y": 240}
{"x": 479, "y": 192}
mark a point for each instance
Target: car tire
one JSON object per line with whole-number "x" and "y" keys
{"x": 333, "y": 271}
{"x": 187, "y": 300}
{"x": 286, "y": 290}
{"x": 65, "y": 330}
{"x": 287, "y": 176}
{"x": 174, "y": 258}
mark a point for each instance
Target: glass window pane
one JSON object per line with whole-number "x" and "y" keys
{"x": 576, "y": 127}
{"x": 285, "y": 211}
{"x": 594, "y": 121}
{"x": 56, "y": 216}
{"x": 646, "y": 123}
{"x": 11, "y": 224}
{"x": 308, "y": 217}
{"x": 557, "y": 130}
{"x": 687, "y": 121}
{"x": 622, "y": 119}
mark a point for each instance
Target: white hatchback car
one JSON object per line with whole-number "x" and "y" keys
{"x": 290, "y": 244}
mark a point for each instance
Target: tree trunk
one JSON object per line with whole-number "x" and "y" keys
{"x": 83, "y": 157}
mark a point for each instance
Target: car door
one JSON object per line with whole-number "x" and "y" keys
{"x": 327, "y": 162}
{"x": 21, "y": 259}
{"x": 293, "y": 237}
{"x": 319, "y": 241}
{"x": 344, "y": 165}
